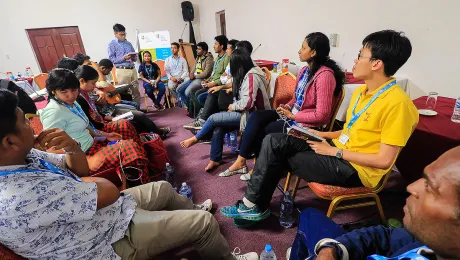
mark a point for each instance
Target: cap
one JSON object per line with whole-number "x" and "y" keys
{"x": 268, "y": 247}
{"x": 184, "y": 184}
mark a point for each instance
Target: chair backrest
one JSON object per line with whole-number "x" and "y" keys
{"x": 114, "y": 75}
{"x": 335, "y": 109}
{"x": 35, "y": 123}
{"x": 284, "y": 89}
{"x": 268, "y": 77}
{"x": 40, "y": 80}
{"x": 161, "y": 64}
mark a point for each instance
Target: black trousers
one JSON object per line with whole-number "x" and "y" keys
{"x": 216, "y": 102}
{"x": 281, "y": 153}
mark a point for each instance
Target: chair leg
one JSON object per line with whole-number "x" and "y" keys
{"x": 335, "y": 204}
{"x": 380, "y": 208}
{"x": 296, "y": 186}
{"x": 288, "y": 180}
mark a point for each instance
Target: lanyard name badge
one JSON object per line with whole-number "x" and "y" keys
{"x": 345, "y": 136}
{"x": 218, "y": 62}
{"x": 77, "y": 111}
{"x": 149, "y": 70}
{"x": 300, "y": 91}
{"x": 45, "y": 164}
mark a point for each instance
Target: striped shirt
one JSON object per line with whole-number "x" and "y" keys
{"x": 117, "y": 50}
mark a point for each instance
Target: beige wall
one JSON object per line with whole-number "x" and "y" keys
{"x": 280, "y": 26}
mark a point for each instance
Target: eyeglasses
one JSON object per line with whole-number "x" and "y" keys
{"x": 122, "y": 34}
{"x": 361, "y": 57}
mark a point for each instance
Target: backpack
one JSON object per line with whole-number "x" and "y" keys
{"x": 156, "y": 154}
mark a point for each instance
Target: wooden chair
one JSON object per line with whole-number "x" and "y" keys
{"x": 284, "y": 89}
{"x": 114, "y": 75}
{"x": 35, "y": 123}
{"x": 164, "y": 79}
{"x": 40, "y": 80}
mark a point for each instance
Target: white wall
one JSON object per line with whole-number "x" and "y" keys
{"x": 94, "y": 18}
{"x": 280, "y": 26}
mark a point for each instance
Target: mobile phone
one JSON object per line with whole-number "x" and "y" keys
{"x": 100, "y": 138}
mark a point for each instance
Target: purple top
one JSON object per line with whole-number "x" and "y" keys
{"x": 117, "y": 49}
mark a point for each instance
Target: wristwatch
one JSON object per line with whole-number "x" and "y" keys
{"x": 75, "y": 149}
{"x": 339, "y": 154}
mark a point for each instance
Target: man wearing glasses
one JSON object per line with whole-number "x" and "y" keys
{"x": 123, "y": 56}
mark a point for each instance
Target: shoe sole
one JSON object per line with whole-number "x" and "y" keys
{"x": 243, "y": 223}
{"x": 193, "y": 127}
{"x": 253, "y": 217}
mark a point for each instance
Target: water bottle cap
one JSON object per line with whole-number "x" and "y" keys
{"x": 268, "y": 247}
{"x": 167, "y": 164}
{"x": 184, "y": 184}
{"x": 287, "y": 193}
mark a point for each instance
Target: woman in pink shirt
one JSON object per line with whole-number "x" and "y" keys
{"x": 318, "y": 86}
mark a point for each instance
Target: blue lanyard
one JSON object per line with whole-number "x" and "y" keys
{"x": 302, "y": 83}
{"x": 149, "y": 70}
{"x": 77, "y": 111}
{"x": 354, "y": 116}
{"x": 47, "y": 165}
{"x": 218, "y": 61}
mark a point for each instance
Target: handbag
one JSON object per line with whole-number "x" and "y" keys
{"x": 156, "y": 153}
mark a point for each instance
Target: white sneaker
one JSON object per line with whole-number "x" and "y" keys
{"x": 245, "y": 177}
{"x": 206, "y": 206}
{"x": 288, "y": 253}
{"x": 248, "y": 256}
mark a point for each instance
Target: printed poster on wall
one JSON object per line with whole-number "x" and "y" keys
{"x": 158, "y": 43}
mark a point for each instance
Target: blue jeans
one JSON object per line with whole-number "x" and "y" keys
{"x": 219, "y": 124}
{"x": 314, "y": 225}
{"x": 149, "y": 91}
{"x": 186, "y": 88}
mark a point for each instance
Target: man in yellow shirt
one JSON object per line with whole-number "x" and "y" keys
{"x": 380, "y": 120}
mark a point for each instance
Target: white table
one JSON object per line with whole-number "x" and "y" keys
{"x": 350, "y": 88}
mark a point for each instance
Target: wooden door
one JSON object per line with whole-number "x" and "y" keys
{"x": 51, "y": 44}
{"x": 223, "y": 24}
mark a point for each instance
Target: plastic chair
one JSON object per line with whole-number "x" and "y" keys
{"x": 40, "y": 80}
{"x": 284, "y": 89}
{"x": 164, "y": 79}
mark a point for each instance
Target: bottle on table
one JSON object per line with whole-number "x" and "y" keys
{"x": 456, "y": 114}
{"x": 29, "y": 72}
{"x": 286, "y": 210}
{"x": 275, "y": 68}
{"x": 186, "y": 191}
{"x": 268, "y": 253}
{"x": 285, "y": 66}
{"x": 234, "y": 141}
{"x": 169, "y": 175}
{"x": 19, "y": 75}
{"x": 10, "y": 75}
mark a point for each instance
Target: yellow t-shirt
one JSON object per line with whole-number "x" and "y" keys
{"x": 391, "y": 120}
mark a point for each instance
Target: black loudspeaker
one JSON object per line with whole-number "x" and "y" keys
{"x": 187, "y": 11}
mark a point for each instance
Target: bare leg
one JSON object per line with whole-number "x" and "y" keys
{"x": 211, "y": 166}
{"x": 189, "y": 142}
{"x": 238, "y": 164}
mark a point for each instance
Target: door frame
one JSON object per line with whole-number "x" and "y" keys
{"x": 57, "y": 42}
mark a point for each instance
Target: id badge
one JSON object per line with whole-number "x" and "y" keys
{"x": 295, "y": 111}
{"x": 343, "y": 139}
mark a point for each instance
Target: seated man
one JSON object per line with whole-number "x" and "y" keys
{"x": 198, "y": 97}
{"x": 68, "y": 63}
{"x": 176, "y": 68}
{"x": 82, "y": 59}
{"x": 380, "y": 120}
{"x": 431, "y": 218}
{"x": 202, "y": 70}
{"x": 51, "y": 209}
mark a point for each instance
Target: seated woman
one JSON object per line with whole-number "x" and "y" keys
{"x": 318, "y": 85}
{"x": 150, "y": 74}
{"x": 88, "y": 77}
{"x": 65, "y": 113}
{"x": 249, "y": 94}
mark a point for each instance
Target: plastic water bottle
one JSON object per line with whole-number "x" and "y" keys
{"x": 169, "y": 175}
{"x": 268, "y": 253}
{"x": 19, "y": 75}
{"x": 29, "y": 72}
{"x": 234, "y": 141}
{"x": 456, "y": 115}
{"x": 186, "y": 191}
{"x": 286, "y": 209}
{"x": 227, "y": 139}
{"x": 179, "y": 102}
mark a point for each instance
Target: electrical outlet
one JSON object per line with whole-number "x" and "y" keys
{"x": 333, "y": 39}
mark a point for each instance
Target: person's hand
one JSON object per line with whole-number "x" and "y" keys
{"x": 56, "y": 139}
{"x": 228, "y": 91}
{"x": 173, "y": 79}
{"x": 214, "y": 89}
{"x": 192, "y": 76}
{"x": 108, "y": 118}
{"x": 285, "y": 112}
{"x": 327, "y": 253}
{"x": 113, "y": 137}
{"x": 204, "y": 81}
{"x": 323, "y": 148}
{"x": 211, "y": 84}
{"x": 230, "y": 107}
{"x": 224, "y": 74}
{"x": 101, "y": 100}
{"x": 285, "y": 106}
{"x": 127, "y": 57}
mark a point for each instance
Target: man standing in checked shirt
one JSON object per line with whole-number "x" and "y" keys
{"x": 119, "y": 53}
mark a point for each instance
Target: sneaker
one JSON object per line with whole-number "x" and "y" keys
{"x": 245, "y": 177}
{"x": 228, "y": 173}
{"x": 243, "y": 223}
{"x": 205, "y": 206}
{"x": 249, "y": 256}
{"x": 240, "y": 211}
{"x": 288, "y": 253}
{"x": 195, "y": 125}
{"x": 204, "y": 141}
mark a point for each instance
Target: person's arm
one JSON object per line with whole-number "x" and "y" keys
{"x": 321, "y": 114}
{"x": 168, "y": 68}
{"x": 107, "y": 192}
{"x": 58, "y": 139}
{"x": 133, "y": 57}
{"x": 141, "y": 74}
{"x": 113, "y": 55}
{"x": 208, "y": 65}
{"x": 85, "y": 107}
{"x": 99, "y": 72}
{"x": 359, "y": 244}
{"x": 184, "y": 69}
